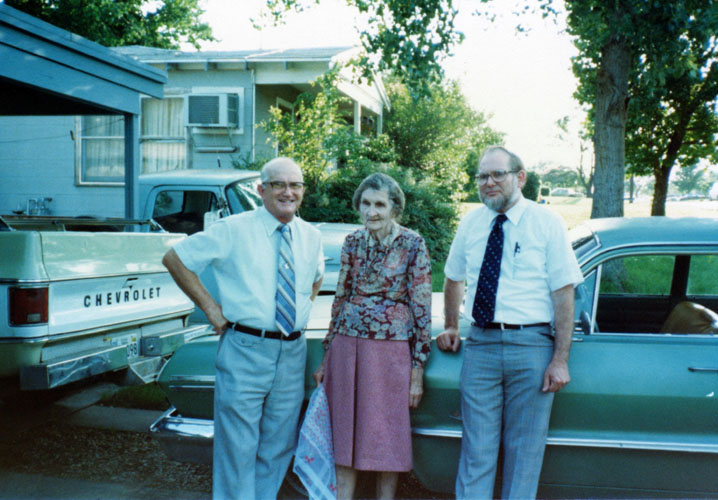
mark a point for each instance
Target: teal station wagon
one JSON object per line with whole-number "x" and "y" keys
{"x": 640, "y": 416}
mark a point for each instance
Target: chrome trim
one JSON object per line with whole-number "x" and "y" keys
{"x": 592, "y": 443}
{"x": 171, "y": 423}
{"x": 192, "y": 383}
{"x": 702, "y": 369}
{"x": 24, "y": 340}
{"x": 445, "y": 433}
{"x": 634, "y": 445}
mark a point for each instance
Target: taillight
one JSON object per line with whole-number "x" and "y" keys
{"x": 28, "y": 306}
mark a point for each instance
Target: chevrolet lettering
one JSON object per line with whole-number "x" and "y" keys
{"x": 121, "y": 297}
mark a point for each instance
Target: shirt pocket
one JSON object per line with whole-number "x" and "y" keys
{"x": 305, "y": 270}
{"x": 529, "y": 261}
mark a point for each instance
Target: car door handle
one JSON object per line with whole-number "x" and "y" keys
{"x": 702, "y": 369}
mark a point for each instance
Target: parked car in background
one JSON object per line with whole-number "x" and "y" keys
{"x": 565, "y": 192}
{"x": 640, "y": 416}
{"x": 184, "y": 201}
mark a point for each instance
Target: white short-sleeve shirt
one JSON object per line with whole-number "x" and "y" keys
{"x": 537, "y": 259}
{"x": 242, "y": 252}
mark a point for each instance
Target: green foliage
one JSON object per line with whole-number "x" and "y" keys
{"x": 429, "y": 210}
{"x": 545, "y": 191}
{"x": 122, "y": 22}
{"x": 308, "y": 135}
{"x": 335, "y": 160}
{"x": 531, "y": 188}
{"x": 146, "y": 397}
{"x": 560, "y": 177}
{"x": 438, "y": 135}
{"x": 409, "y": 39}
{"x": 689, "y": 178}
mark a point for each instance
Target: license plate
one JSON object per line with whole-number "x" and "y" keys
{"x": 132, "y": 343}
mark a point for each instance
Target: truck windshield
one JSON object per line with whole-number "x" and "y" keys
{"x": 242, "y": 195}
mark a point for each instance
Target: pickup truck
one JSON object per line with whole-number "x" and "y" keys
{"x": 184, "y": 201}
{"x": 80, "y": 297}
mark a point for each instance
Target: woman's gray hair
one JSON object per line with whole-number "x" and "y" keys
{"x": 382, "y": 182}
{"x": 515, "y": 163}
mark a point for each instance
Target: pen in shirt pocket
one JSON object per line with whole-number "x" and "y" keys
{"x": 517, "y": 249}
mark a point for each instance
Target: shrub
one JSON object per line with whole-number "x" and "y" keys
{"x": 429, "y": 211}
{"x": 531, "y": 188}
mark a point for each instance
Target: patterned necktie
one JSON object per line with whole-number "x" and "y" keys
{"x": 485, "y": 300}
{"x": 286, "y": 305}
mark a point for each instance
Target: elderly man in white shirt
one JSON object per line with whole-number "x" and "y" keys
{"x": 521, "y": 272}
{"x": 268, "y": 264}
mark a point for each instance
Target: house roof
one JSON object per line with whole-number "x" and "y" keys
{"x": 272, "y": 66}
{"x": 46, "y": 70}
{"x": 155, "y": 55}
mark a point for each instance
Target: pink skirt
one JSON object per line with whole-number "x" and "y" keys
{"x": 367, "y": 384}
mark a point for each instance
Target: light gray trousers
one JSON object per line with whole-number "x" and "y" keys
{"x": 258, "y": 395}
{"x": 502, "y": 402}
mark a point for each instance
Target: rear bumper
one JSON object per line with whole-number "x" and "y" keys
{"x": 80, "y": 365}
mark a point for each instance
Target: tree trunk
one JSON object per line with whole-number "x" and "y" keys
{"x": 660, "y": 190}
{"x": 610, "y": 137}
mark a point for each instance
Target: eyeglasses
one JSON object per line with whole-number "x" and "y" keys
{"x": 280, "y": 186}
{"x": 496, "y": 175}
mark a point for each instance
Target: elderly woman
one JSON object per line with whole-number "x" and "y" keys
{"x": 378, "y": 341}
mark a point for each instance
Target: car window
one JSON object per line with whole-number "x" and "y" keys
{"x": 641, "y": 274}
{"x": 243, "y": 196}
{"x": 180, "y": 211}
{"x": 703, "y": 276}
{"x": 634, "y": 294}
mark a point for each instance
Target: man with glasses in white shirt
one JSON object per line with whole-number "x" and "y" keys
{"x": 268, "y": 264}
{"x": 520, "y": 270}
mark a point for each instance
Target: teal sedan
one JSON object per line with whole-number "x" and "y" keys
{"x": 640, "y": 416}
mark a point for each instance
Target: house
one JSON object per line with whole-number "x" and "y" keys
{"x": 207, "y": 118}
{"x": 47, "y": 76}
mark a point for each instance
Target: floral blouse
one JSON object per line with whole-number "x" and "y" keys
{"x": 384, "y": 291}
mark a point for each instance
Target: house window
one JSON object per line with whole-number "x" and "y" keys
{"x": 101, "y": 149}
{"x": 163, "y": 135}
{"x": 101, "y": 144}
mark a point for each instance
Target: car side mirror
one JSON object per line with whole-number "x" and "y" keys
{"x": 210, "y": 218}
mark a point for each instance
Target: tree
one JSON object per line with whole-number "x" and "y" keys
{"x": 674, "y": 122}
{"x": 531, "y": 188}
{"x": 124, "y": 22}
{"x": 438, "y": 135}
{"x": 409, "y": 39}
{"x": 634, "y": 50}
{"x": 560, "y": 177}
{"x": 689, "y": 179}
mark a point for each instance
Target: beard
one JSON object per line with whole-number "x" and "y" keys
{"x": 502, "y": 202}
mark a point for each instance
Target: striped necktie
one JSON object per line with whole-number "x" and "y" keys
{"x": 286, "y": 305}
{"x": 488, "y": 284}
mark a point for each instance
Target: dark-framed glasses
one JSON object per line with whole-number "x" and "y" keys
{"x": 280, "y": 186}
{"x": 496, "y": 175}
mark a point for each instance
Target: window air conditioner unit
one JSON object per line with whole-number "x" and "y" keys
{"x": 212, "y": 110}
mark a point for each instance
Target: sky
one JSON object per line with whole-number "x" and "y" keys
{"x": 523, "y": 80}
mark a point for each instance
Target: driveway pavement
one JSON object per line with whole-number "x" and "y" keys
{"x": 72, "y": 449}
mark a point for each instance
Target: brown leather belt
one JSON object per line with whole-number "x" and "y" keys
{"x": 508, "y": 326}
{"x": 267, "y": 334}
